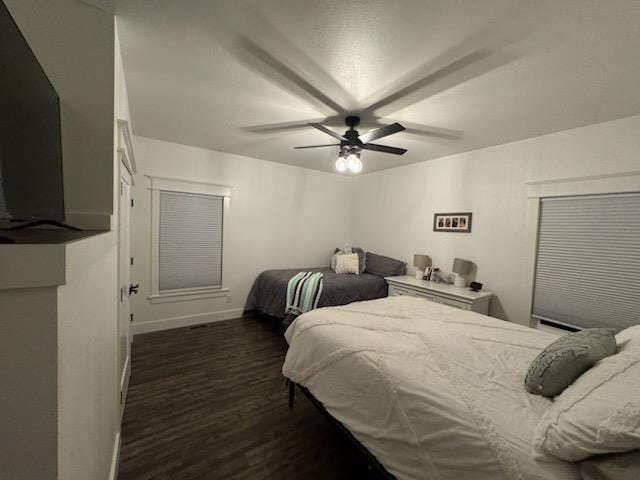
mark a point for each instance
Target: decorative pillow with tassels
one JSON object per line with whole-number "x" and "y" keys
{"x": 361, "y": 257}
{"x": 347, "y": 263}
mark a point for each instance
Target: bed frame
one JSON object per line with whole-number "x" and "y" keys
{"x": 372, "y": 462}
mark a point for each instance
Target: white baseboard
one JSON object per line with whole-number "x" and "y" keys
{"x": 185, "y": 321}
{"x": 115, "y": 458}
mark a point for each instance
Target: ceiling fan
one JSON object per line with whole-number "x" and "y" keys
{"x": 474, "y": 56}
{"x": 352, "y": 143}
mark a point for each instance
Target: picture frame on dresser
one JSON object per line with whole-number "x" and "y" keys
{"x": 459, "y": 222}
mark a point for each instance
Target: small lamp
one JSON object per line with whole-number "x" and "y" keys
{"x": 421, "y": 262}
{"x": 461, "y": 269}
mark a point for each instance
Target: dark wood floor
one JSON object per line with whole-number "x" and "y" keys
{"x": 209, "y": 403}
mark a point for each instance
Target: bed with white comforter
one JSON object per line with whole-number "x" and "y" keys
{"x": 432, "y": 391}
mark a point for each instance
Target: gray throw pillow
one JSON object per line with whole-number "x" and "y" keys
{"x": 384, "y": 266}
{"x": 617, "y": 466}
{"x": 567, "y": 358}
{"x": 361, "y": 258}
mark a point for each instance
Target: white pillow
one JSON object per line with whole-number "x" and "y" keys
{"x": 630, "y": 335}
{"x": 600, "y": 412}
{"x": 347, "y": 263}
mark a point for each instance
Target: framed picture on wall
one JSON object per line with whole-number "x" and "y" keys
{"x": 452, "y": 222}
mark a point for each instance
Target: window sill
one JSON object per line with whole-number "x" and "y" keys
{"x": 188, "y": 295}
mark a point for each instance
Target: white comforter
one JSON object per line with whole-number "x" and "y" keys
{"x": 432, "y": 391}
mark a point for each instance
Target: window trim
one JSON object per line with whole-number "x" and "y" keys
{"x": 619, "y": 182}
{"x": 157, "y": 185}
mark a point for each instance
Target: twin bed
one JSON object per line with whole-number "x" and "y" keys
{"x": 268, "y": 293}
{"x": 432, "y": 392}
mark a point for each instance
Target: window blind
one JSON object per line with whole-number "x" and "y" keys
{"x": 588, "y": 261}
{"x": 190, "y": 240}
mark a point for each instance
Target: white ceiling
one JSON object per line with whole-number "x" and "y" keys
{"x": 460, "y": 75}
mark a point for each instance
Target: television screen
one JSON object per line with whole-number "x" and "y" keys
{"x": 31, "y": 185}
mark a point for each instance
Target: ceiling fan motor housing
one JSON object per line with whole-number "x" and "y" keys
{"x": 353, "y": 143}
{"x": 353, "y": 139}
{"x": 352, "y": 121}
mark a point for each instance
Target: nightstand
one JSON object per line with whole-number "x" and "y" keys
{"x": 462, "y": 298}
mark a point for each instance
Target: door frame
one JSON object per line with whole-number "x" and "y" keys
{"x": 124, "y": 280}
{"x": 126, "y": 172}
{"x": 126, "y": 156}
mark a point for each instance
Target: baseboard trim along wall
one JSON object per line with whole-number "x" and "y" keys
{"x": 184, "y": 321}
{"x": 115, "y": 458}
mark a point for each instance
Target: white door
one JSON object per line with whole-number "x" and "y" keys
{"x": 124, "y": 310}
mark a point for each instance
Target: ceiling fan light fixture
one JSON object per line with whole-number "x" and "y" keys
{"x": 341, "y": 165}
{"x": 356, "y": 167}
{"x": 354, "y": 164}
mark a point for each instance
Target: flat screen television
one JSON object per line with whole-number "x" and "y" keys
{"x": 31, "y": 182}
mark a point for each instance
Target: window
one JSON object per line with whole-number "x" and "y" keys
{"x": 190, "y": 240}
{"x": 588, "y": 261}
{"x": 187, "y": 240}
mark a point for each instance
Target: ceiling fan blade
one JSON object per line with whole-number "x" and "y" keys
{"x": 384, "y": 149}
{"x": 464, "y": 69}
{"x": 476, "y": 55}
{"x": 257, "y": 58}
{"x": 381, "y": 132}
{"x": 318, "y": 146}
{"x": 431, "y": 132}
{"x": 279, "y": 128}
{"x": 324, "y": 129}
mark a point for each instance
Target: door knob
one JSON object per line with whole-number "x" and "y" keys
{"x": 133, "y": 288}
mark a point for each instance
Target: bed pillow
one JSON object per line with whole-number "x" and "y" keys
{"x": 346, "y": 263}
{"x": 567, "y": 358}
{"x": 359, "y": 251}
{"x": 600, "y": 412}
{"x": 629, "y": 337}
{"x": 384, "y": 266}
{"x": 621, "y": 466}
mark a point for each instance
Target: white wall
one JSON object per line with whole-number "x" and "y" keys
{"x": 280, "y": 216}
{"x": 58, "y": 344}
{"x": 74, "y": 43}
{"x": 28, "y": 395}
{"x": 284, "y": 216}
{"x": 88, "y": 384}
{"x": 393, "y": 209}
{"x": 121, "y": 94}
{"x": 121, "y": 111}
{"x": 59, "y": 347}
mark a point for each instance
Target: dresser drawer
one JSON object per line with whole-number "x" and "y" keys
{"x": 427, "y": 296}
{"x": 455, "y": 303}
{"x": 449, "y": 295}
{"x": 395, "y": 290}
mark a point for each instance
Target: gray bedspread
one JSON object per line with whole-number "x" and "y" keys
{"x": 269, "y": 290}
